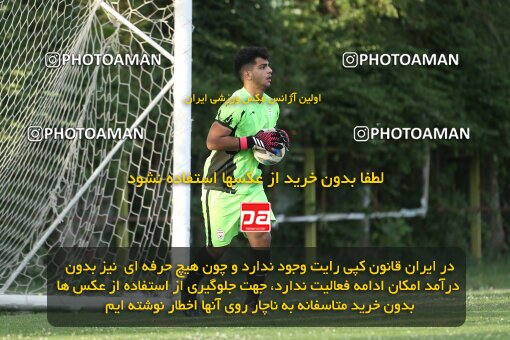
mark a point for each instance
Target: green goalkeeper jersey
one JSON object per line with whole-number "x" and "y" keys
{"x": 246, "y": 116}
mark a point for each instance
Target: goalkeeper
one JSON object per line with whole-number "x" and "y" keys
{"x": 236, "y": 129}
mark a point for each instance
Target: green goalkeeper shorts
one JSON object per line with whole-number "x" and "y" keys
{"x": 222, "y": 214}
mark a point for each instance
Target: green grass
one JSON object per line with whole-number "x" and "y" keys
{"x": 488, "y": 316}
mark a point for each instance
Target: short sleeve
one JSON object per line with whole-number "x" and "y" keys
{"x": 228, "y": 116}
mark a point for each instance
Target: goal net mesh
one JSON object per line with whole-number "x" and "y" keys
{"x": 38, "y": 90}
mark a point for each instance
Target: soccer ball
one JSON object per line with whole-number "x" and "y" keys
{"x": 268, "y": 158}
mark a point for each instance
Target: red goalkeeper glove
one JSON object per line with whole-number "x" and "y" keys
{"x": 285, "y": 138}
{"x": 268, "y": 140}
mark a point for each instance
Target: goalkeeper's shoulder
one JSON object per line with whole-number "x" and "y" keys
{"x": 233, "y": 103}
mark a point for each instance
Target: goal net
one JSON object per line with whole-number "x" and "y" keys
{"x": 87, "y": 100}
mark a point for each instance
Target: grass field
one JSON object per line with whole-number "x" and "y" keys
{"x": 488, "y": 316}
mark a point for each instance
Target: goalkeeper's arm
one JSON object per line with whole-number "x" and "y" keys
{"x": 219, "y": 138}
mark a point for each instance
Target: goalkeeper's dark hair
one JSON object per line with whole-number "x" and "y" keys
{"x": 247, "y": 56}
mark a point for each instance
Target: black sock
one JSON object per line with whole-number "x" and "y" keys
{"x": 263, "y": 256}
{"x": 202, "y": 259}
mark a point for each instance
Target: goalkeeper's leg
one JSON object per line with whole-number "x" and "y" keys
{"x": 207, "y": 256}
{"x": 259, "y": 252}
{"x": 221, "y": 216}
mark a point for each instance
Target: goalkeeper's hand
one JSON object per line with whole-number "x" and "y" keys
{"x": 285, "y": 138}
{"x": 268, "y": 140}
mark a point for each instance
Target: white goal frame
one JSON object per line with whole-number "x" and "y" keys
{"x": 181, "y": 83}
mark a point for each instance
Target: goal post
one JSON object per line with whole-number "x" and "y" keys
{"x": 182, "y": 121}
{"x": 92, "y": 93}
